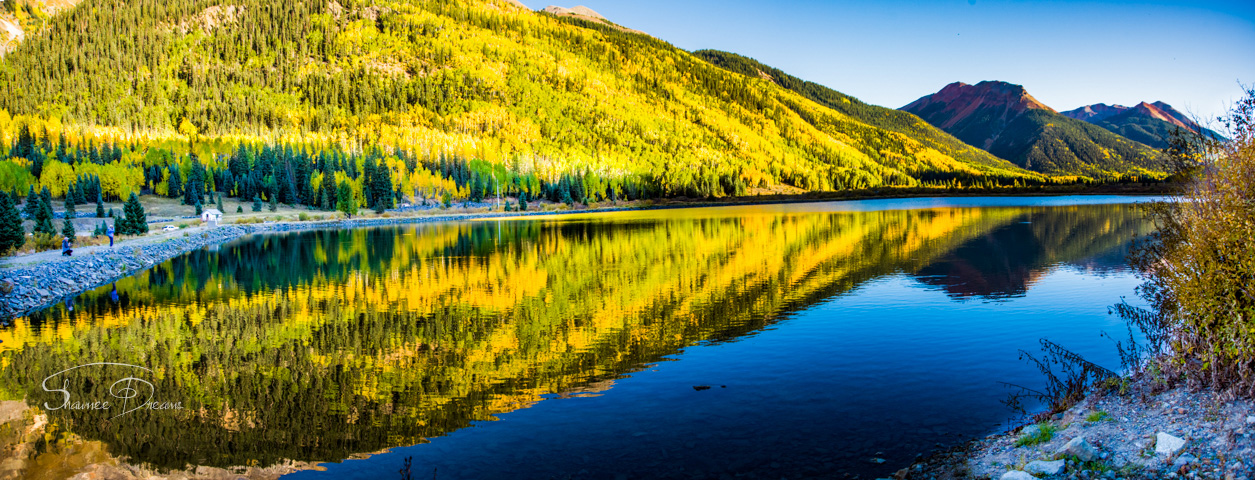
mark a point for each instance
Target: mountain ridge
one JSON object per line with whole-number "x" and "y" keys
{"x": 1153, "y": 124}
{"x": 1003, "y": 119}
{"x": 882, "y": 117}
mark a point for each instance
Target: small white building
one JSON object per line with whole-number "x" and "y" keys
{"x": 211, "y": 217}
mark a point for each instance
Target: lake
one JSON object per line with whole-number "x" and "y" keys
{"x": 775, "y": 341}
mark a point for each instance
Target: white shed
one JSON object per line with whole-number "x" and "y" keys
{"x": 211, "y": 216}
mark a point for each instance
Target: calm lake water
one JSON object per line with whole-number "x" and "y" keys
{"x": 777, "y": 341}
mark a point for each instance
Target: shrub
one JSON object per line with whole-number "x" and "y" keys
{"x": 45, "y": 241}
{"x": 1199, "y": 267}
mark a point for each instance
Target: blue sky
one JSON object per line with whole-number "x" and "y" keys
{"x": 1190, "y": 54}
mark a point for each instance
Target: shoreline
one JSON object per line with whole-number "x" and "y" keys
{"x": 1151, "y": 430}
{"x": 27, "y": 288}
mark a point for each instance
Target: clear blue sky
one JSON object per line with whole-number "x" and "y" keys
{"x": 1190, "y": 54}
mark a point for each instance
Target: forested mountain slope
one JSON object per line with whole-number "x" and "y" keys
{"x": 884, "y": 118}
{"x": 473, "y": 79}
{"x": 1005, "y": 120}
{"x": 22, "y": 18}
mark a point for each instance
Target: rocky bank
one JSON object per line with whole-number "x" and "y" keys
{"x": 1148, "y": 432}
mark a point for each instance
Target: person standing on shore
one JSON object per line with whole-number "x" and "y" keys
{"x": 65, "y": 247}
{"x": 109, "y": 232}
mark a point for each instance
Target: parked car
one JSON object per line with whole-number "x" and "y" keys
{"x": 170, "y": 228}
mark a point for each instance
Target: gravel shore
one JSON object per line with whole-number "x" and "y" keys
{"x": 1149, "y": 432}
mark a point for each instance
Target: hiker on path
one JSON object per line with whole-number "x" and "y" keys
{"x": 65, "y": 247}
{"x": 109, "y": 232}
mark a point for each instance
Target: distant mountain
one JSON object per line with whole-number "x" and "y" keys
{"x": 1149, "y": 123}
{"x": 881, "y": 117}
{"x": 1003, "y": 119}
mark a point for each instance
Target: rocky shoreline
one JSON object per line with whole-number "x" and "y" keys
{"x": 29, "y": 288}
{"x": 1148, "y": 432}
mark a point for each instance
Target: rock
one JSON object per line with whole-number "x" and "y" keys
{"x": 1030, "y": 431}
{"x": 1166, "y": 444}
{"x": 1042, "y": 467}
{"x": 1183, "y": 460}
{"x": 1250, "y": 419}
{"x": 1017, "y": 475}
{"x": 1079, "y": 448}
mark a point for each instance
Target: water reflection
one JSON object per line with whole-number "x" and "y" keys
{"x": 1007, "y": 260}
{"x": 320, "y": 346}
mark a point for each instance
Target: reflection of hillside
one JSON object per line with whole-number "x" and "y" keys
{"x": 317, "y": 346}
{"x": 1008, "y": 259}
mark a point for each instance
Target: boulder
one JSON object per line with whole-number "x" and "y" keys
{"x": 1042, "y": 467}
{"x": 1183, "y": 460}
{"x": 1166, "y": 444}
{"x": 1030, "y": 431}
{"x": 1017, "y": 475}
{"x": 1079, "y": 448}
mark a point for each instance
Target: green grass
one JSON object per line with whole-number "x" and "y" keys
{"x": 1045, "y": 432}
{"x": 1098, "y": 416}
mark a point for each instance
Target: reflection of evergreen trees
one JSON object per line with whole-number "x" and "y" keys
{"x": 319, "y": 345}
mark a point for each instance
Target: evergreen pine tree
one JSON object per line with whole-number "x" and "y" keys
{"x": 122, "y": 226}
{"x": 45, "y": 198}
{"x": 175, "y": 183}
{"x": 12, "y": 235}
{"x": 239, "y": 209}
{"x": 67, "y": 230}
{"x": 199, "y": 210}
{"x": 256, "y": 203}
{"x": 69, "y": 206}
{"x": 383, "y": 186}
{"x": 137, "y": 221}
{"x": 345, "y": 201}
{"x": 43, "y": 219}
{"x": 220, "y": 207}
{"x": 100, "y": 206}
{"x": 274, "y": 202}
{"x": 33, "y": 201}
